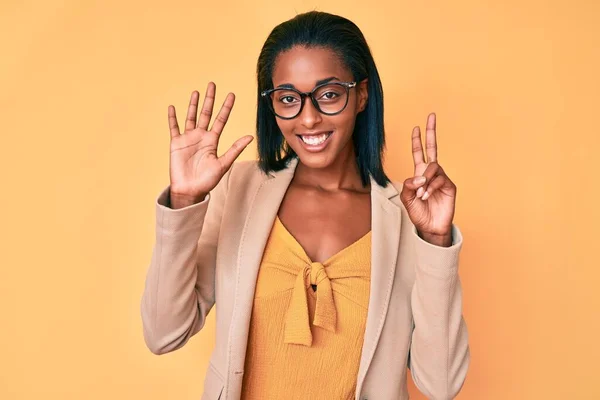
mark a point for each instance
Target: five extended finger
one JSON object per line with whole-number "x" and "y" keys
{"x": 207, "y": 106}
{"x": 234, "y": 151}
{"x": 190, "y": 119}
{"x": 223, "y": 115}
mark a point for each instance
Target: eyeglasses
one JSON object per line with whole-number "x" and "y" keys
{"x": 329, "y": 99}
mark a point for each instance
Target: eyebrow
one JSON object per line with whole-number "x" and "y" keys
{"x": 319, "y": 82}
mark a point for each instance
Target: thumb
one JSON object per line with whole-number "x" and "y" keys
{"x": 410, "y": 187}
{"x": 234, "y": 151}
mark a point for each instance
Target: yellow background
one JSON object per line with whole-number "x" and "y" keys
{"x": 84, "y": 91}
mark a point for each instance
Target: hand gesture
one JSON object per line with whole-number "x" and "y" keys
{"x": 194, "y": 166}
{"x": 429, "y": 196}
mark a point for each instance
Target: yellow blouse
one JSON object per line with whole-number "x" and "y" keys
{"x": 306, "y": 344}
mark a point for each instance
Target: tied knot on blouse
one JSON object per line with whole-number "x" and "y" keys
{"x": 297, "y": 328}
{"x": 345, "y": 274}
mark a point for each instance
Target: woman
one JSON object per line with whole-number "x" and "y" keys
{"x": 329, "y": 279}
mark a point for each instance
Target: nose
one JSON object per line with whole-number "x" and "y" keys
{"x": 309, "y": 116}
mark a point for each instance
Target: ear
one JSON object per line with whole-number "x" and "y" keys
{"x": 363, "y": 94}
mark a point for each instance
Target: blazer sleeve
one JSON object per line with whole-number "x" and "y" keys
{"x": 179, "y": 288}
{"x": 439, "y": 354}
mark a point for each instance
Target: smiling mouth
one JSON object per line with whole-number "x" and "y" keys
{"x": 315, "y": 140}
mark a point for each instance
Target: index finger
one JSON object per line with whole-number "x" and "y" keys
{"x": 430, "y": 139}
{"x": 173, "y": 126}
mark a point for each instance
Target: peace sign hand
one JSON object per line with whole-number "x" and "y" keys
{"x": 430, "y": 202}
{"x": 194, "y": 168}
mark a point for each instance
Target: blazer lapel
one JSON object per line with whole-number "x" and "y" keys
{"x": 257, "y": 227}
{"x": 385, "y": 240}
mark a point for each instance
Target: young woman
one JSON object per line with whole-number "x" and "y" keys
{"x": 329, "y": 279}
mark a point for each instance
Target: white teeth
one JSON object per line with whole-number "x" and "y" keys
{"x": 315, "y": 140}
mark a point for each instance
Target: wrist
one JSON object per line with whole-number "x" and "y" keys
{"x": 444, "y": 240}
{"x": 177, "y": 201}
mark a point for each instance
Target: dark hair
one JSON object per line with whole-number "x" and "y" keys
{"x": 320, "y": 29}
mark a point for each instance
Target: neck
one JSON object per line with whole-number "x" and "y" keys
{"x": 342, "y": 174}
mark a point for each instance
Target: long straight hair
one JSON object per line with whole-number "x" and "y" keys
{"x": 317, "y": 29}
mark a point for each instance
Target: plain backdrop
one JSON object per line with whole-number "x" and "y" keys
{"x": 84, "y": 91}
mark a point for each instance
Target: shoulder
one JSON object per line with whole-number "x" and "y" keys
{"x": 246, "y": 169}
{"x": 244, "y": 175}
{"x": 245, "y": 166}
{"x": 398, "y": 185}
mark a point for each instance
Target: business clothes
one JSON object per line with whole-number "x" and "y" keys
{"x": 210, "y": 253}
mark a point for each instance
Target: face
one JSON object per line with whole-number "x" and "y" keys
{"x": 302, "y": 68}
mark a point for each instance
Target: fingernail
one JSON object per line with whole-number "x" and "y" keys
{"x": 425, "y": 196}
{"x": 420, "y": 191}
{"x": 419, "y": 180}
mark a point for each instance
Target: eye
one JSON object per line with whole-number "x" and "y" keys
{"x": 287, "y": 99}
{"x": 330, "y": 95}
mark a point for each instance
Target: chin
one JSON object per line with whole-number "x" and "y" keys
{"x": 314, "y": 160}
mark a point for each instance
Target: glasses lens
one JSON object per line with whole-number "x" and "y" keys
{"x": 331, "y": 98}
{"x": 286, "y": 103}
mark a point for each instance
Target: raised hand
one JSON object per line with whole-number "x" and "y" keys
{"x": 429, "y": 196}
{"x": 194, "y": 167}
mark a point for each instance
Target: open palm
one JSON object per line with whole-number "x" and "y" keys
{"x": 195, "y": 168}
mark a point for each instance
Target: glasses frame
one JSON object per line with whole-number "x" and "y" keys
{"x": 266, "y": 93}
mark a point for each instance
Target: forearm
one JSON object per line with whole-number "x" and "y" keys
{"x": 439, "y": 357}
{"x": 175, "y": 301}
